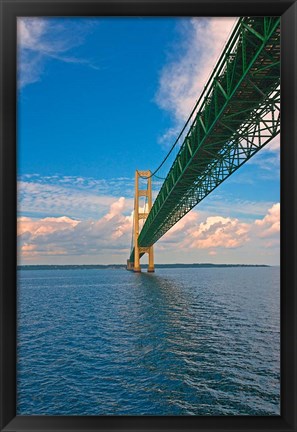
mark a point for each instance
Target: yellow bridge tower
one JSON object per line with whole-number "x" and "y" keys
{"x": 138, "y": 250}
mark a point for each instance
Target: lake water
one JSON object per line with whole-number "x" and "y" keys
{"x": 187, "y": 341}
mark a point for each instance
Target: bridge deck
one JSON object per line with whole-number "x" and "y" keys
{"x": 238, "y": 114}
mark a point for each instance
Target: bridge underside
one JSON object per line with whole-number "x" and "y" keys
{"x": 239, "y": 113}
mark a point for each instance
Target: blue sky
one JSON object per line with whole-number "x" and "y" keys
{"x": 99, "y": 98}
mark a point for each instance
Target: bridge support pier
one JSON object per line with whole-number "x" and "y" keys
{"x": 138, "y": 215}
{"x": 130, "y": 265}
{"x": 151, "y": 265}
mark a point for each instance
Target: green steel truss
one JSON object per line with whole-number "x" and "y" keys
{"x": 238, "y": 114}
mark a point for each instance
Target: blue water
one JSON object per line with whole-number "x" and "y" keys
{"x": 190, "y": 341}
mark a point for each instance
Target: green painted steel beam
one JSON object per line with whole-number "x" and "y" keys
{"x": 239, "y": 112}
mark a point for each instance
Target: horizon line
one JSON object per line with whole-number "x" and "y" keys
{"x": 145, "y": 265}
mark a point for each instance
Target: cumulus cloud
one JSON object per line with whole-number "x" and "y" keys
{"x": 110, "y": 235}
{"x": 66, "y": 236}
{"x": 116, "y": 209}
{"x": 44, "y": 226}
{"x": 269, "y": 226}
{"x": 218, "y": 232}
{"x": 215, "y": 231}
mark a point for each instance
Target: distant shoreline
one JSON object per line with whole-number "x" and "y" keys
{"x": 122, "y": 266}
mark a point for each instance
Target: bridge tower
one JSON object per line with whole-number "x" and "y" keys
{"x": 138, "y": 250}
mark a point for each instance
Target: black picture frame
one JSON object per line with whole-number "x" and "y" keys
{"x": 10, "y": 10}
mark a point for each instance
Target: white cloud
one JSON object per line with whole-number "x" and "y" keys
{"x": 197, "y": 230}
{"x": 76, "y": 197}
{"x": 274, "y": 145}
{"x": 268, "y": 159}
{"x": 218, "y": 231}
{"x": 40, "y": 39}
{"x": 44, "y": 226}
{"x": 63, "y": 236}
{"x": 116, "y": 209}
{"x": 30, "y": 33}
{"x": 184, "y": 77}
{"x": 227, "y": 205}
{"x": 269, "y": 226}
{"x": 213, "y": 232}
{"x": 107, "y": 238}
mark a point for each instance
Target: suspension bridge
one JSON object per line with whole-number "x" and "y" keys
{"x": 236, "y": 115}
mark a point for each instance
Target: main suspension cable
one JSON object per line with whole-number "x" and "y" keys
{"x": 211, "y": 76}
{"x": 153, "y": 174}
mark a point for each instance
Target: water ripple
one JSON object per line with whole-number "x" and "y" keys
{"x": 178, "y": 342}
